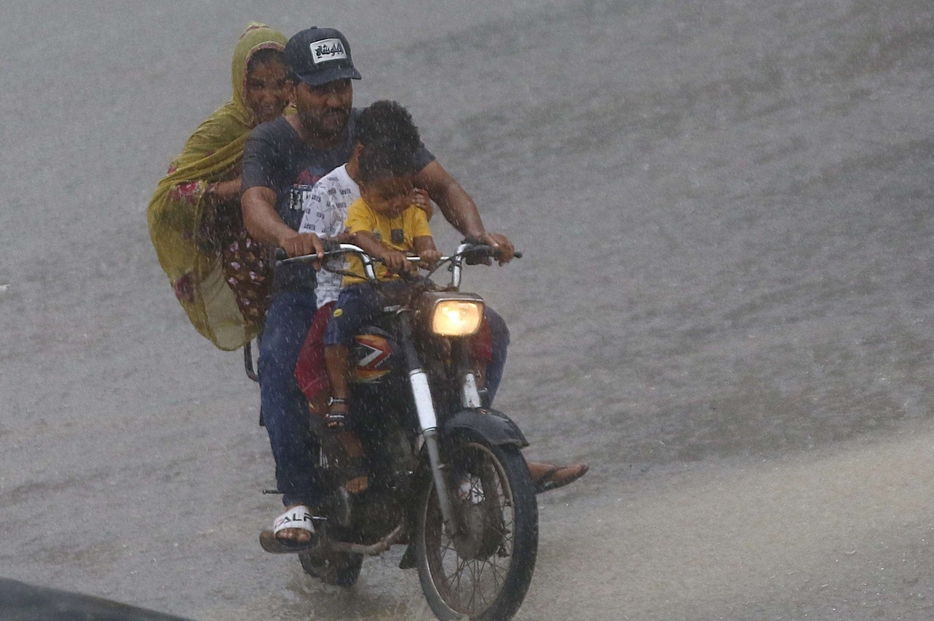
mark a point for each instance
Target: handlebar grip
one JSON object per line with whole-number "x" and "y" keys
{"x": 482, "y": 251}
{"x": 281, "y": 254}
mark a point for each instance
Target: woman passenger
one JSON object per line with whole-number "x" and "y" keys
{"x": 221, "y": 276}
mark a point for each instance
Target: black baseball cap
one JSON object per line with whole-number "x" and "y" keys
{"x": 320, "y": 55}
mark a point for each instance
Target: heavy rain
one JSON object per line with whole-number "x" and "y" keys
{"x": 724, "y": 304}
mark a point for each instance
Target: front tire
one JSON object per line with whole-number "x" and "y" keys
{"x": 485, "y": 573}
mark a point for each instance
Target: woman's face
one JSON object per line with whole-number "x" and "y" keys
{"x": 267, "y": 90}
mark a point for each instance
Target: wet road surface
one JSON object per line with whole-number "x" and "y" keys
{"x": 725, "y": 305}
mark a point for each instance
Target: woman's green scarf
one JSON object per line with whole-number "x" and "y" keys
{"x": 177, "y": 213}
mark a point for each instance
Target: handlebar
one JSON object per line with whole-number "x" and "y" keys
{"x": 466, "y": 251}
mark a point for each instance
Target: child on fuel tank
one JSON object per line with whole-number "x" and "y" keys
{"x": 386, "y": 225}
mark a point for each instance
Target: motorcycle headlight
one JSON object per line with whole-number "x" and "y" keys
{"x": 456, "y": 317}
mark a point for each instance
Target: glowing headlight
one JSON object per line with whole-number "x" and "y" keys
{"x": 456, "y": 317}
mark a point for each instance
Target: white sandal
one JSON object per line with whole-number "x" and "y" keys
{"x": 296, "y": 517}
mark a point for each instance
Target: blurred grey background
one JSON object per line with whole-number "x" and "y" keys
{"x": 724, "y": 305}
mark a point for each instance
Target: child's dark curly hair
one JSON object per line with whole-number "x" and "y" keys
{"x": 390, "y": 140}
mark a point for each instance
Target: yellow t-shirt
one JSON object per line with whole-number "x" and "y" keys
{"x": 397, "y": 233}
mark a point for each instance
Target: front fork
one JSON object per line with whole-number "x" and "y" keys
{"x": 428, "y": 420}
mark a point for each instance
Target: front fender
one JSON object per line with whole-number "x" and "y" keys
{"x": 492, "y": 425}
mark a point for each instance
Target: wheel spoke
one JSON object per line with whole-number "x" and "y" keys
{"x": 480, "y": 586}
{"x": 457, "y": 570}
{"x": 473, "y": 591}
{"x": 493, "y": 574}
{"x": 498, "y": 574}
{"x": 459, "y": 573}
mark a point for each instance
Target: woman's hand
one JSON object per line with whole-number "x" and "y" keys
{"x": 223, "y": 191}
{"x": 420, "y": 199}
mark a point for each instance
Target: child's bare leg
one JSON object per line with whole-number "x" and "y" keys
{"x": 336, "y": 358}
{"x": 319, "y": 403}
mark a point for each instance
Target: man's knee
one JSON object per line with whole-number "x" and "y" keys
{"x": 274, "y": 368}
{"x": 499, "y": 332}
{"x": 287, "y": 323}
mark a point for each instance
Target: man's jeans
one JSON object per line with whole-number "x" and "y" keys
{"x": 285, "y": 409}
{"x": 499, "y": 337}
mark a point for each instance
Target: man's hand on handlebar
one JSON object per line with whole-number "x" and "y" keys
{"x": 301, "y": 244}
{"x": 505, "y": 251}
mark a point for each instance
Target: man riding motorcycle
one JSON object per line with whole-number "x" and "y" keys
{"x": 299, "y": 150}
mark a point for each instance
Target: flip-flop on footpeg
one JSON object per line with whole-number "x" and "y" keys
{"x": 296, "y": 517}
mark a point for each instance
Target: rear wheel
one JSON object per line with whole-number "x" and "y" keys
{"x": 336, "y": 568}
{"x": 485, "y": 571}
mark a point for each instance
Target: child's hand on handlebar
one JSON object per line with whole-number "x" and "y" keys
{"x": 397, "y": 262}
{"x": 428, "y": 258}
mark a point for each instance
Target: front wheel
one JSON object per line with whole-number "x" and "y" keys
{"x": 484, "y": 571}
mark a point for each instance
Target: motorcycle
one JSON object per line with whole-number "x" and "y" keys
{"x": 446, "y": 475}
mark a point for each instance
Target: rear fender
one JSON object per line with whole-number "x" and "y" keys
{"x": 492, "y": 425}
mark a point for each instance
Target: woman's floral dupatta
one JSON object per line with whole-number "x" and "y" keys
{"x": 220, "y": 275}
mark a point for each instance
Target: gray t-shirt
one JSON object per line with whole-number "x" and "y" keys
{"x": 276, "y": 157}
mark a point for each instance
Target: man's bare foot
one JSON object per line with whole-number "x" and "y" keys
{"x": 546, "y": 477}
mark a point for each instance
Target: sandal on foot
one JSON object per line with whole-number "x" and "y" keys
{"x": 546, "y": 477}
{"x": 336, "y": 418}
{"x": 336, "y": 422}
{"x": 296, "y": 517}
